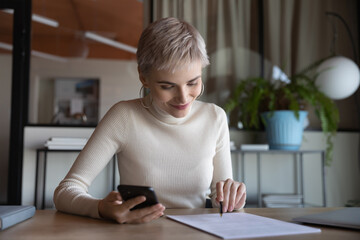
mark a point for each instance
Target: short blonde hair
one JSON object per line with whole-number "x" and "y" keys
{"x": 168, "y": 44}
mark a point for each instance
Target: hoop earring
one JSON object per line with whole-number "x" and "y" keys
{"x": 141, "y": 98}
{"x": 202, "y": 91}
{"x": 141, "y": 89}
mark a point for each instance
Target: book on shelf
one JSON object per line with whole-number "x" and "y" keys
{"x": 67, "y": 140}
{"x": 65, "y": 143}
{"x": 282, "y": 205}
{"x": 282, "y": 200}
{"x": 64, "y": 147}
{"x": 254, "y": 147}
{"x": 11, "y": 215}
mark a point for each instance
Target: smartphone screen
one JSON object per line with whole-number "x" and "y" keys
{"x": 131, "y": 191}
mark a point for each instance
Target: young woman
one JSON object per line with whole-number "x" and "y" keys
{"x": 167, "y": 140}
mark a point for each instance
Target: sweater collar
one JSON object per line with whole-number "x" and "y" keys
{"x": 162, "y": 115}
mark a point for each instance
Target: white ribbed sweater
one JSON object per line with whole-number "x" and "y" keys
{"x": 181, "y": 158}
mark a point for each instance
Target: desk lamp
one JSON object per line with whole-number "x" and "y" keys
{"x": 339, "y": 76}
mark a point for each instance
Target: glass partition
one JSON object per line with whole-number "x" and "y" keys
{"x": 83, "y": 59}
{"x": 6, "y": 26}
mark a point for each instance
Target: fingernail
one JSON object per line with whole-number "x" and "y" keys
{"x": 160, "y": 206}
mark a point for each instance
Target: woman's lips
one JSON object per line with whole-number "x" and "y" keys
{"x": 181, "y": 107}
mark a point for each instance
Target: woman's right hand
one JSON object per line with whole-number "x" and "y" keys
{"x": 112, "y": 207}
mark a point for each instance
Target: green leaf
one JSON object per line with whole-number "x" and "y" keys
{"x": 254, "y": 95}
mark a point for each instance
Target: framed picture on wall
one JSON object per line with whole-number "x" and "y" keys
{"x": 76, "y": 101}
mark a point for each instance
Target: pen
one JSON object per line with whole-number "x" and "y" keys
{"x": 221, "y": 209}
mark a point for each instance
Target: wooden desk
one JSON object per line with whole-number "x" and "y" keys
{"x": 50, "y": 224}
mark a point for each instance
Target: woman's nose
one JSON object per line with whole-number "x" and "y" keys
{"x": 182, "y": 94}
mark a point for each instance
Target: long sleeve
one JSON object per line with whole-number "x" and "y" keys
{"x": 222, "y": 158}
{"x": 108, "y": 138}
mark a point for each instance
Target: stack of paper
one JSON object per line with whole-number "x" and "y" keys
{"x": 66, "y": 143}
{"x": 242, "y": 225}
{"x": 282, "y": 200}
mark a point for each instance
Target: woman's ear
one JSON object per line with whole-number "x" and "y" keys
{"x": 143, "y": 79}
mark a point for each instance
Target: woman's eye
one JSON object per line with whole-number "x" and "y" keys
{"x": 166, "y": 87}
{"x": 192, "y": 84}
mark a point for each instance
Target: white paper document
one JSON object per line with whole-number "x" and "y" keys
{"x": 241, "y": 225}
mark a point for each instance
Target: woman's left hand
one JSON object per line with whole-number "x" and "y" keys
{"x": 232, "y": 194}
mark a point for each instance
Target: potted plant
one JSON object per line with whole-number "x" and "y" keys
{"x": 256, "y": 98}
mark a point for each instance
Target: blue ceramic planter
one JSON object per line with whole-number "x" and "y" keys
{"x": 283, "y": 130}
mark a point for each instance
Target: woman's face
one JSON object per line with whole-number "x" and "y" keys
{"x": 175, "y": 92}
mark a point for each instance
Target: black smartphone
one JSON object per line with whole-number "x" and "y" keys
{"x": 131, "y": 191}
